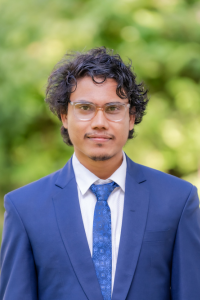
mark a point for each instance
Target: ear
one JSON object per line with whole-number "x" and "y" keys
{"x": 64, "y": 120}
{"x": 132, "y": 119}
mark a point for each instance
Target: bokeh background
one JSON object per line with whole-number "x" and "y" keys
{"x": 162, "y": 39}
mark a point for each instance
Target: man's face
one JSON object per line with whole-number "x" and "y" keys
{"x": 99, "y": 138}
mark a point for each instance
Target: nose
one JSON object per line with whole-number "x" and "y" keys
{"x": 99, "y": 121}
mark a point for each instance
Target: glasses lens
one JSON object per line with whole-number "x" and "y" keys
{"x": 84, "y": 111}
{"x": 115, "y": 111}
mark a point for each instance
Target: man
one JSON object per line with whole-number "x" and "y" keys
{"x": 103, "y": 227}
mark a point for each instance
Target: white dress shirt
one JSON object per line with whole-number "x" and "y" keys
{"x": 87, "y": 200}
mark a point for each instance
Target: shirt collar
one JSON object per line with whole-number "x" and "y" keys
{"x": 85, "y": 178}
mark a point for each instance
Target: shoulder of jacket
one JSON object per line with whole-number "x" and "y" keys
{"x": 43, "y": 185}
{"x": 159, "y": 179}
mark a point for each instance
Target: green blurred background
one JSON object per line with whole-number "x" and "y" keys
{"x": 162, "y": 39}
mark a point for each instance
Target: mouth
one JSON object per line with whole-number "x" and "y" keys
{"x": 99, "y": 137}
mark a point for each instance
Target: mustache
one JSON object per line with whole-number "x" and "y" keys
{"x": 99, "y": 134}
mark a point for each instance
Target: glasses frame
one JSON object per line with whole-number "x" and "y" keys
{"x": 97, "y": 108}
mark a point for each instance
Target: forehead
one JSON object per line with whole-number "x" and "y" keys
{"x": 87, "y": 89}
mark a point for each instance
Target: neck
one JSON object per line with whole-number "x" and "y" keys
{"x": 102, "y": 169}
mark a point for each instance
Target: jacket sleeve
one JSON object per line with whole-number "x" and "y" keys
{"x": 185, "y": 279}
{"x": 18, "y": 275}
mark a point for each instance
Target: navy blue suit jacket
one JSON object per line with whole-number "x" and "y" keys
{"x": 45, "y": 254}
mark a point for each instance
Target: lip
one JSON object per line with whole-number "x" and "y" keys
{"x": 99, "y": 137}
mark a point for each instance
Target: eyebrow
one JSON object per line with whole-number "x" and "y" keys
{"x": 85, "y": 101}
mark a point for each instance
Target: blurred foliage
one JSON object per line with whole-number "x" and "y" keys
{"x": 162, "y": 39}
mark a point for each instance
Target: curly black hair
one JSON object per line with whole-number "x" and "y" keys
{"x": 98, "y": 62}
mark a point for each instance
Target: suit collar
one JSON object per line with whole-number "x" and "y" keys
{"x": 65, "y": 175}
{"x": 135, "y": 171}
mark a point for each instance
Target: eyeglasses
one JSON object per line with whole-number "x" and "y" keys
{"x": 113, "y": 111}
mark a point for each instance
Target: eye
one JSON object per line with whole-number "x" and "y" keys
{"x": 114, "y": 109}
{"x": 85, "y": 107}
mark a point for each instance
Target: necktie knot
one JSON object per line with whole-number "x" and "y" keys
{"x": 103, "y": 191}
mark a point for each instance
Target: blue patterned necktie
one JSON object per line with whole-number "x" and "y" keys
{"x": 102, "y": 238}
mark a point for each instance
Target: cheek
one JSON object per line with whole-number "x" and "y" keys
{"x": 76, "y": 130}
{"x": 122, "y": 132}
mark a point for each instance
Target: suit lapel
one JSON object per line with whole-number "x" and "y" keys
{"x": 72, "y": 231}
{"x": 133, "y": 227}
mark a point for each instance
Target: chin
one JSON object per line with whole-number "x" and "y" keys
{"x": 97, "y": 155}
{"x": 100, "y": 157}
